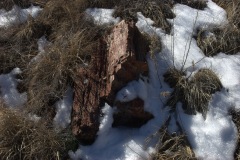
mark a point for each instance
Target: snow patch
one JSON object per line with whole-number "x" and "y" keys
{"x": 17, "y": 15}
{"x": 9, "y": 92}
{"x": 102, "y": 16}
{"x": 42, "y": 44}
{"x": 64, "y": 109}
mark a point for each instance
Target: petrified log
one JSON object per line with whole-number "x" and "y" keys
{"x": 119, "y": 60}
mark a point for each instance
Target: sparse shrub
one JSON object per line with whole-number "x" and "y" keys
{"x": 22, "y": 138}
{"x": 194, "y": 93}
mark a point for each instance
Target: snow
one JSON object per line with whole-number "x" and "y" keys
{"x": 17, "y": 15}
{"x": 213, "y": 138}
{"x": 43, "y": 43}
{"x": 9, "y": 92}
{"x": 63, "y": 110}
{"x": 114, "y": 143}
{"x": 102, "y": 16}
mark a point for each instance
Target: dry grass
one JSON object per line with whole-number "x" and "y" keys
{"x": 15, "y": 52}
{"x": 225, "y": 39}
{"x": 49, "y": 77}
{"x": 198, "y": 4}
{"x": 173, "y": 147}
{"x": 232, "y": 7}
{"x": 195, "y": 93}
{"x": 6, "y": 4}
{"x": 157, "y": 10}
{"x": 73, "y": 40}
{"x": 22, "y": 138}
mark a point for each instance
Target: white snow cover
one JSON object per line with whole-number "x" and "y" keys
{"x": 64, "y": 108}
{"x": 102, "y": 16}
{"x": 17, "y": 15}
{"x": 9, "y": 92}
{"x": 43, "y": 43}
{"x": 213, "y": 138}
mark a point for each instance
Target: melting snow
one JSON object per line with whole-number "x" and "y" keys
{"x": 214, "y": 138}
{"x": 9, "y": 92}
{"x": 17, "y": 15}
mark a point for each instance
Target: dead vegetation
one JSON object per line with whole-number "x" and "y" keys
{"x": 198, "y": 4}
{"x": 232, "y": 7}
{"x": 22, "y": 138}
{"x": 172, "y": 147}
{"x": 194, "y": 93}
{"x": 49, "y": 77}
{"x": 73, "y": 40}
{"x": 224, "y": 39}
{"x": 157, "y": 10}
{"x": 15, "y": 51}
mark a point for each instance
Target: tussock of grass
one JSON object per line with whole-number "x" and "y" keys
{"x": 225, "y": 39}
{"x": 21, "y": 138}
{"x": 173, "y": 147}
{"x": 195, "y": 93}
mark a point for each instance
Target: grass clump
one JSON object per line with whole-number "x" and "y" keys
{"x": 22, "y": 138}
{"x": 225, "y": 39}
{"x": 195, "y": 93}
{"x": 173, "y": 147}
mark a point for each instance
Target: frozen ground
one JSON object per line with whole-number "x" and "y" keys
{"x": 213, "y": 138}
